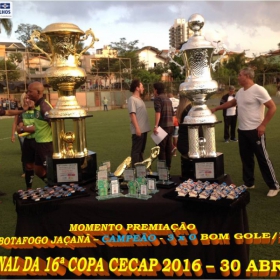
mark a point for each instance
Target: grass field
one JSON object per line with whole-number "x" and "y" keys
{"x": 109, "y": 136}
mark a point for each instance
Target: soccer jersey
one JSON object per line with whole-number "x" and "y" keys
{"x": 27, "y": 118}
{"x": 43, "y": 132}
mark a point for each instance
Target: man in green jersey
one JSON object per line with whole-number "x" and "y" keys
{"x": 43, "y": 132}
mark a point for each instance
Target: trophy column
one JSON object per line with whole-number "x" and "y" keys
{"x": 203, "y": 161}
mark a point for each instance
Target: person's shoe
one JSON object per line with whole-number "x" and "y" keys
{"x": 252, "y": 187}
{"x": 22, "y": 175}
{"x": 174, "y": 151}
{"x": 226, "y": 141}
{"x": 234, "y": 140}
{"x": 2, "y": 193}
{"x": 272, "y": 193}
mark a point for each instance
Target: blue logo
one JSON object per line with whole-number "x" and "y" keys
{"x": 5, "y": 6}
{"x": 6, "y": 10}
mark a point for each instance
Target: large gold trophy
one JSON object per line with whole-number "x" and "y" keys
{"x": 71, "y": 160}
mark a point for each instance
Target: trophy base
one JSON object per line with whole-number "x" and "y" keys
{"x": 206, "y": 169}
{"x": 165, "y": 184}
{"x": 153, "y": 175}
{"x": 72, "y": 170}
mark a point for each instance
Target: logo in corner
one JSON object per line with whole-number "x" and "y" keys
{"x": 6, "y": 9}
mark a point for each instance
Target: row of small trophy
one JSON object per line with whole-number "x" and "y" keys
{"x": 108, "y": 186}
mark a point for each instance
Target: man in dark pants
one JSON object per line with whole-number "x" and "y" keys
{"x": 164, "y": 118}
{"x": 139, "y": 125}
{"x": 43, "y": 131}
{"x": 230, "y": 116}
{"x": 251, "y": 100}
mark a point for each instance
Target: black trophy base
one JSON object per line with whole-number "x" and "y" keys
{"x": 206, "y": 169}
{"x": 153, "y": 175}
{"x": 165, "y": 184}
{"x": 72, "y": 170}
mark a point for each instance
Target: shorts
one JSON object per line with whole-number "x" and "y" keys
{"x": 43, "y": 150}
{"x": 28, "y": 150}
{"x": 175, "y": 131}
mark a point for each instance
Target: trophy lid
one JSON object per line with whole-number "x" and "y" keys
{"x": 197, "y": 41}
{"x": 62, "y": 27}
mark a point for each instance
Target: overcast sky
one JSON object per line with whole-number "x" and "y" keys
{"x": 240, "y": 25}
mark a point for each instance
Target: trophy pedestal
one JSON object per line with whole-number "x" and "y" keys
{"x": 206, "y": 169}
{"x": 153, "y": 175}
{"x": 72, "y": 170}
{"x": 165, "y": 184}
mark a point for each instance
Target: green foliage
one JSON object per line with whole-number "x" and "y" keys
{"x": 16, "y": 57}
{"x": 175, "y": 70}
{"x": 271, "y": 88}
{"x": 25, "y": 30}
{"x": 9, "y": 69}
{"x": 145, "y": 76}
{"x": 159, "y": 69}
{"x": 123, "y": 47}
{"x": 7, "y": 24}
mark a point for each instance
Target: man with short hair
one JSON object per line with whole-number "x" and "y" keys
{"x": 230, "y": 116}
{"x": 105, "y": 103}
{"x": 43, "y": 132}
{"x": 164, "y": 118}
{"x": 139, "y": 125}
{"x": 251, "y": 100}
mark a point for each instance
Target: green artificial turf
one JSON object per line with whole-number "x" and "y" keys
{"x": 109, "y": 136}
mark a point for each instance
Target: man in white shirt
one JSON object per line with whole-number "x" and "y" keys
{"x": 251, "y": 100}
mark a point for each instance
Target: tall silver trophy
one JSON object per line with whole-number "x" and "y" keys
{"x": 198, "y": 87}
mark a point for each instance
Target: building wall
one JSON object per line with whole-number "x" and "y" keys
{"x": 150, "y": 58}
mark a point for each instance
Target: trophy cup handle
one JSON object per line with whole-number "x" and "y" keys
{"x": 216, "y": 51}
{"x": 94, "y": 39}
{"x": 171, "y": 54}
{"x": 40, "y": 37}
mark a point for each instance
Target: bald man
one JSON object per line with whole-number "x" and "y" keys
{"x": 43, "y": 132}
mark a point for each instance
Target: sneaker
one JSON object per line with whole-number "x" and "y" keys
{"x": 252, "y": 187}
{"x": 272, "y": 193}
{"x": 226, "y": 141}
{"x": 234, "y": 140}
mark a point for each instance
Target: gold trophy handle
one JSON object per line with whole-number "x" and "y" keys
{"x": 94, "y": 39}
{"x": 37, "y": 34}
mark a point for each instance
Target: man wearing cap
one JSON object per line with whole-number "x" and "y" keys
{"x": 230, "y": 116}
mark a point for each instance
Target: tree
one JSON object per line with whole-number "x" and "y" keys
{"x": 177, "y": 75}
{"x": 11, "y": 68}
{"x": 262, "y": 65}
{"x": 159, "y": 69}
{"x": 127, "y": 50}
{"x": 16, "y": 58}
{"x": 7, "y": 25}
{"x": 25, "y": 30}
{"x": 124, "y": 47}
